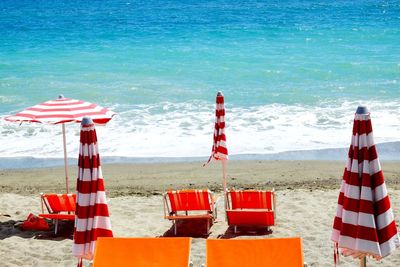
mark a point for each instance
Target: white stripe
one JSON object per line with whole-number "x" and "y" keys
{"x": 359, "y": 244}
{"x": 87, "y": 175}
{"x": 380, "y": 192}
{"x": 50, "y": 111}
{"x": 363, "y": 140}
{"x": 384, "y": 219}
{"x": 85, "y": 200}
{"x": 366, "y": 193}
{"x": 87, "y": 129}
{"x": 352, "y": 191}
{"x": 220, "y": 106}
{"x": 84, "y": 250}
{"x": 355, "y": 166}
{"x": 221, "y": 144}
{"x": 358, "y": 218}
{"x": 335, "y": 235}
{"x": 362, "y": 117}
{"x": 102, "y": 222}
{"x": 339, "y": 211}
{"x": 89, "y": 150}
{"x": 390, "y": 245}
{"x": 374, "y": 166}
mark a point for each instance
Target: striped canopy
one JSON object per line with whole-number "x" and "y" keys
{"x": 219, "y": 149}
{"x": 364, "y": 223}
{"x": 92, "y": 218}
{"x": 63, "y": 110}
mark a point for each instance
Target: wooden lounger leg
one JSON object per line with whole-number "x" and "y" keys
{"x": 175, "y": 228}
{"x": 56, "y": 228}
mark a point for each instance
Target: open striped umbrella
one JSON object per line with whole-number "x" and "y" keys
{"x": 364, "y": 224}
{"x": 219, "y": 149}
{"x": 91, "y": 217}
{"x": 63, "y": 110}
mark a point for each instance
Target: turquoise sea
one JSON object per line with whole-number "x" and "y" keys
{"x": 293, "y": 72}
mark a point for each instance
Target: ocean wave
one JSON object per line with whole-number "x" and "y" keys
{"x": 185, "y": 130}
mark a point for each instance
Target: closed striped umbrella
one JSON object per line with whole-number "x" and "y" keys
{"x": 91, "y": 217}
{"x": 62, "y": 110}
{"x": 364, "y": 224}
{"x": 219, "y": 149}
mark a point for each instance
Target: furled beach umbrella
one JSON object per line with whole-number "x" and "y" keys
{"x": 219, "y": 150}
{"x": 63, "y": 110}
{"x": 91, "y": 217}
{"x": 364, "y": 224}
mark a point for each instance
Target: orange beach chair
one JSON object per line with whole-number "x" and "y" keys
{"x": 142, "y": 252}
{"x": 190, "y": 204}
{"x": 59, "y": 207}
{"x": 250, "y": 208}
{"x": 270, "y": 252}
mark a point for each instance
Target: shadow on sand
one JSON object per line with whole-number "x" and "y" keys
{"x": 244, "y": 231}
{"x": 190, "y": 228}
{"x": 11, "y": 228}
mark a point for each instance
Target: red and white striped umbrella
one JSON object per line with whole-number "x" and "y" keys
{"x": 92, "y": 218}
{"x": 219, "y": 149}
{"x": 364, "y": 224}
{"x": 62, "y": 110}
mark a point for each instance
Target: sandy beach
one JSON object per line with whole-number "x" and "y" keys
{"x": 306, "y": 191}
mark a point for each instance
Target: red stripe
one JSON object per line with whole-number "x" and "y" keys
{"x": 221, "y": 150}
{"x": 377, "y": 179}
{"x": 220, "y": 99}
{"x": 364, "y": 153}
{"x": 367, "y": 180}
{"x": 356, "y": 205}
{"x": 387, "y": 233}
{"x": 382, "y": 205}
{"x": 352, "y": 178}
{"x": 85, "y": 212}
{"x": 362, "y": 127}
{"x": 337, "y": 223}
{"x": 88, "y": 137}
{"x": 358, "y": 231}
{"x": 89, "y": 236}
{"x": 87, "y": 187}
{"x": 89, "y": 163}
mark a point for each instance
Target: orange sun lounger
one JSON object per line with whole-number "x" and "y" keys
{"x": 270, "y": 252}
{"x": 59, "y": 207}
{"x": 142, "y": 252}
{"x": 190, "y": 204}
{"x": 250, "y": 208}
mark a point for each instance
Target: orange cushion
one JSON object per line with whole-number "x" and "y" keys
{"x": 142, "y": 252}
{"x": 282, "y": 252}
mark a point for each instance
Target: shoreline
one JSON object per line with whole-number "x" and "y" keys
{"x": 388, "y": 151}
{"x": 147, "y": 179}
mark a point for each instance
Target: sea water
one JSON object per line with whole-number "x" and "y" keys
{"x": 293, "y": 73}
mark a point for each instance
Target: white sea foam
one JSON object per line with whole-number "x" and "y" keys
{"x": 185, "y": 130}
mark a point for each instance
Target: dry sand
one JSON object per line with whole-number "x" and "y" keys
{"x": 307, "y": 193}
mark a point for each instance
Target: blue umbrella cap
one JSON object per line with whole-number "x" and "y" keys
{"x": 86, "y": 121}
{"x": 362, "y": 110}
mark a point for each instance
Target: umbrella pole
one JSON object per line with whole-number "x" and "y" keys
{"x": 363, "y": 262}
{"x": 65, "y": 157}
{"x": 223, "y": 162}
